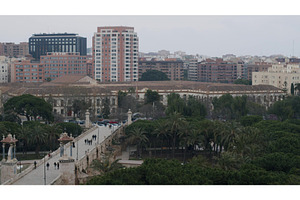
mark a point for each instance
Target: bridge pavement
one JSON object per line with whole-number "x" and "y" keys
{"x": 36, "y": 176}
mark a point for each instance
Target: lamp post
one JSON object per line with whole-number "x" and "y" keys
{"x": 98, "y": 134}
{"x": 77, "y": 149}
{"x": 44, "y": 170}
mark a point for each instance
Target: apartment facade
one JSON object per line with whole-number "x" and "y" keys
{"x": 3, "y": 72}
{"x": 219, "y": 71}
{"x": 41, "y": 44}
{"x": 279, "y": 75}
{"x": 256, "y": 67}
{"x": 115, "y": 54}
{"x": 58, "y": 64}
{"x": 50, "y": 67}
{"x": 173, "y": 69}
{"x": 11, "y": 49}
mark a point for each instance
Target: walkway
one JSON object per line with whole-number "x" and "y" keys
{"x": 36, "y": 176}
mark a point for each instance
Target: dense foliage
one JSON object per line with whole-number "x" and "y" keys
{"x": 29, "y": 106}
{"x": 243, "y": 81}
{"x": 241, "y": 150}
{"x": 154, "y": 75}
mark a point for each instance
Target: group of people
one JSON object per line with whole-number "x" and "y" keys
{"x": 90, "y": 142}
{"x": 56, "y": 165}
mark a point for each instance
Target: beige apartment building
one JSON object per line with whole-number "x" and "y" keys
{"x": 279, "y": 75}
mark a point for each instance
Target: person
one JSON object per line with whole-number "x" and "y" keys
{"x": 57, "y": 165}
{"x": 48, "y": 166}
{"x": 54, "y": 165}
{"x": 34, "y": 164}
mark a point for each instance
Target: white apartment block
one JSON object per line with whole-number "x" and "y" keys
{"x": 3, "y": 72}
{"x": 115, "y": 54}
{"x": 279, "y": 75}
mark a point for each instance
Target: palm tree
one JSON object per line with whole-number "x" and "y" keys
{"x": 138, "y": 136}
{"x": 106, "y": 164}
{"x": 53, "y": 132}
{"x": 24, "y": 133}
{"x": 176, "y": 123}
{"x": 230, "y": 132}
{"x": 189, "y": 137}
{"x": 206, "y": 135}
{"x": 161, "y": 131}
{"x": 37, "y": 137}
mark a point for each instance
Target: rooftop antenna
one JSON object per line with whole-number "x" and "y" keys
{"x": 293, "y": 48}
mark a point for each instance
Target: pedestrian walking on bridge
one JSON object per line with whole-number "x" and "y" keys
{"x": 34, "y": 164}
{"x": 48, "y": 166}
{"x": 54, "y": 165}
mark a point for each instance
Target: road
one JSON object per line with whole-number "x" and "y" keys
{"x": 36, "y": 176}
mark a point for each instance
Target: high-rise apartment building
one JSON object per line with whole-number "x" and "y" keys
{"x": 115, "y": 54}
{"x": 41, "y": 44}
{"x": 10, "y": 49}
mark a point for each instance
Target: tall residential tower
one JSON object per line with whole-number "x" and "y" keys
{"x": 115, "y": 54}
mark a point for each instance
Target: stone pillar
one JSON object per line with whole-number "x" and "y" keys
{"x": 87, "y": 119}
{"x": 129, "y": 121}
{"x": 67, "y": 169}
{"x": 8, "y": 170}
{"x": 9, "y": 165}
{"x": 66, "y": 163}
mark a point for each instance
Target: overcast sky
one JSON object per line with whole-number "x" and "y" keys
{"x": 204, "y": 35}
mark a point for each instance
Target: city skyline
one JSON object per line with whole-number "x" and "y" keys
{"x": 204, "y": 35}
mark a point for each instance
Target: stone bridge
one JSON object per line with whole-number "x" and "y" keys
{"x": 83, "y": 154}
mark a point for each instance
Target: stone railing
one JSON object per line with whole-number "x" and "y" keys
{"x": 43, "y": 160}
{"x": 98, "y": 150}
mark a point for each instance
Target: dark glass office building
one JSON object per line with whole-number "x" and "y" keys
{"x": 41, "y": 44}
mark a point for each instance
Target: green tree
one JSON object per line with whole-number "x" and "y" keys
{"x": 106, "y": 164}
{"x": 151, "y": 97}
{"x": 29, "y": 106}
{"x": 175, "y": 104}
{"x": 37, "y": 137}
{"x": 292, "y": 89}
{"x": 53, "y": 132}
{"x": 106, "y": 109}
{"x": 70, "y": 128}
{"x": 138, "y": 136}
{"x": 176, "y": 124}
{"x": 121, "y": 96}
{"x": 194, "y": 108}
{"x": 79, "y": 107}
{"x": 154, "y": 75}
{"x": 242, "y": 82}
{"x": 250, "y": 120}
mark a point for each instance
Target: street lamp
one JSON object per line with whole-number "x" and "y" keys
{"x": 44, "y": 170}
{"x": 77, "y": 149}
{"x": 98, "y": 134}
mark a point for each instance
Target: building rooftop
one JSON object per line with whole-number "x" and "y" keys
{"x": 55, "y": 34}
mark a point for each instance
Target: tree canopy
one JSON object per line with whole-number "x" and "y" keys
{"x": 29, "y": 106}
{"x": 154, "y": 75}
{"x": 242, "y": 81}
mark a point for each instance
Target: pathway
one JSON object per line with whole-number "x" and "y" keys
{"x": 36, "y": 176}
